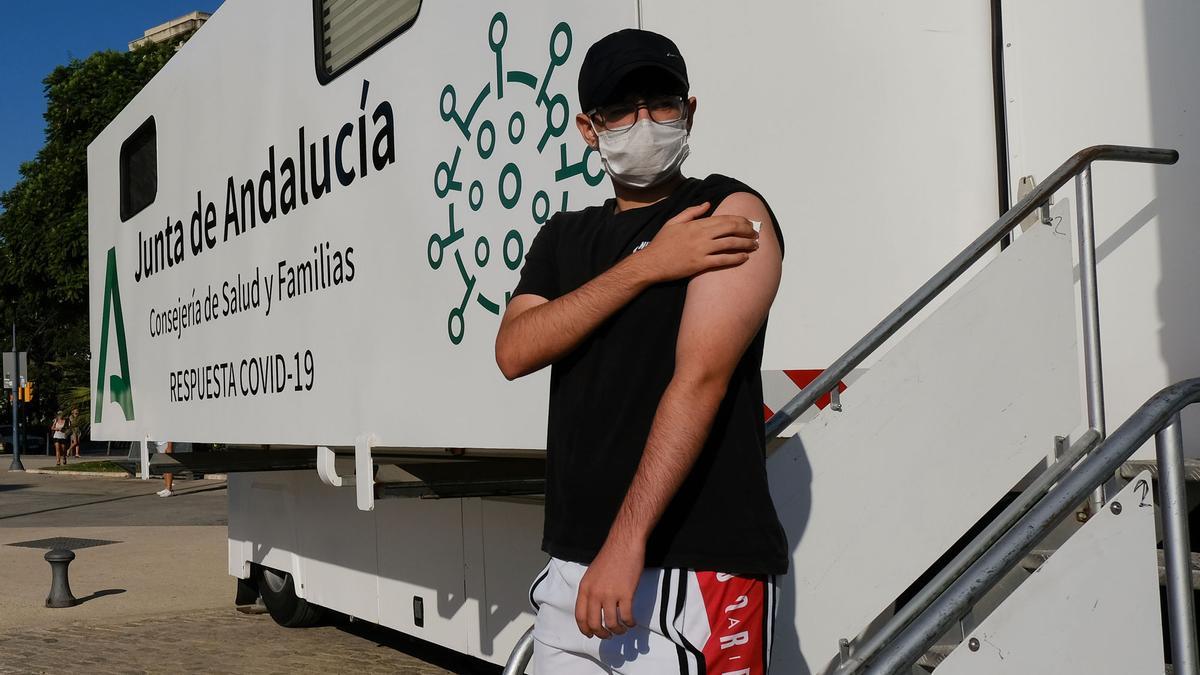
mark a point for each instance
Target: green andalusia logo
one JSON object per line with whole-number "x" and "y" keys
{"x": 118, "y": 385}
{"x": 516, "y": 118}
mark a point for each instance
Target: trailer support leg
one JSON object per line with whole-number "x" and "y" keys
{"x": 145, "y": 458}
{"x": 364, "y": 472}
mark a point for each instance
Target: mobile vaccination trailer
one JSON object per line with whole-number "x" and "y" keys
{"x": 304, "y": 230}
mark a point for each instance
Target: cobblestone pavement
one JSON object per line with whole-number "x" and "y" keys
{"x": 136, "y": 617}
{"x": 220, "y": 641}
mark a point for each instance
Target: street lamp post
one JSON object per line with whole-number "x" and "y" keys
{"x": 16, "y": 380}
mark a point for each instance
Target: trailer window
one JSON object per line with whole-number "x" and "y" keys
{"x": 347, "y": 31}
{"x": 139, "y": 170}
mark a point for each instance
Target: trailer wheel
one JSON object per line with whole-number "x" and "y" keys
{"x": 278, "y": 592}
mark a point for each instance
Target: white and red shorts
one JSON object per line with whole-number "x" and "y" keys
{"x": 688, "y": 622}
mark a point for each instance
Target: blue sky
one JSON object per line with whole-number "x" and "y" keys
{"x": 39, "y": 35}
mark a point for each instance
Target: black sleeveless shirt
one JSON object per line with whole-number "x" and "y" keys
{"x": 604, "y": 395}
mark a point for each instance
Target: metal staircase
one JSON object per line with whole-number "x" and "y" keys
{"x": 909, "y": 635}
{"x": 1158, "y": 418}
{"x": 939, "y": 397}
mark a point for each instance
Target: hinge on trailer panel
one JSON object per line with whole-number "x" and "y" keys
{"x": 1025, "y": 185}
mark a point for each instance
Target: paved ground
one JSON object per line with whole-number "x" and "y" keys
{"x": 38, "y": 500}
{"x": 210, "y": 641}
{"x": 158, "y": 599}
{"x": 148, "y": 570}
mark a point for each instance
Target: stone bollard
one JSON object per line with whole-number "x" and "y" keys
{"x": 60, "y": 587}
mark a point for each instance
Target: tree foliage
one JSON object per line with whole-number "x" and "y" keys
{"x": 43, "y": 228}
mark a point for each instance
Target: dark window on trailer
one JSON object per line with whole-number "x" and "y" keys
{"x": 347, "y": 31}
{"x": 139, "y": 170}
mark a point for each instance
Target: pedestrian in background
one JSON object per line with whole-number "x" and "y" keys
{"x": 74, "y": 432}
{"x": 168, "y": 479}
{"x": 59, "y": 427}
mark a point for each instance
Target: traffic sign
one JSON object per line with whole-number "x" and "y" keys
{"x": 8, "y": 369}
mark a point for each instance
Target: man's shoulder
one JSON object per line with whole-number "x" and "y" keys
{"x": 721, "y": 186}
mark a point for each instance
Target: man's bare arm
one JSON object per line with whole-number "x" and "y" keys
{"x": 535, "y": 332}
{"x": 724, "y": 311}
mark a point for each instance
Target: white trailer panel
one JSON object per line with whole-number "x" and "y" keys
{"x": 1082, "y": 73}
{"x": 353, "y": 325}
{"x": 403, "y": 351}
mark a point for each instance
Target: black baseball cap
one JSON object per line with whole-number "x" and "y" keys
{"x": 618, "y": 54}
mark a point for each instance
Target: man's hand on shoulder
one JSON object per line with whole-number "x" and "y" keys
{"x": 688, "y": 244}
{"x": 536, "y": 332}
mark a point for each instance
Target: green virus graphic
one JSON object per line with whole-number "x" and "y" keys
{"x": 514, "y": 121}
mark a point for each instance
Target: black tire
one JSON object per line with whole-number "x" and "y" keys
{"x": 278, "y": 592}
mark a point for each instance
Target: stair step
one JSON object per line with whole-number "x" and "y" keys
{"x": 1032, "y": 562}
{"x": 1036, "y": 559}
{"x": 1129, "y": 470}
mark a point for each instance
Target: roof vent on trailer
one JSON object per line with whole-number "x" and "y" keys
{"x": 347, "y": 31}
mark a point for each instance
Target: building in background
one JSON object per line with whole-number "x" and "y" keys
{"x": 184, "y": 25}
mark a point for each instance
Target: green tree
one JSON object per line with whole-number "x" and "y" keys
{"x": 43, "y": 228}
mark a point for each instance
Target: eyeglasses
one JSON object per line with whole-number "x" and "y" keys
{"x": 622, "y": 116}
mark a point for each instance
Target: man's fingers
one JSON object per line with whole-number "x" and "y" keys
{"x": 720, "y": 260}
{"x": 625, "y": 607}
{"x": 581, "y": 615}
{"x": 612, "y": 617}
{"x": 596, "y": 620}
{"x": 690, "y": 213}
{"x": 736, "y": 226}
{"x": 733, "y": 244}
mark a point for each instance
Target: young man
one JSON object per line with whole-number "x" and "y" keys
{"x": 652, "y": 310}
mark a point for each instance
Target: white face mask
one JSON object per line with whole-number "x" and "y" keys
{"x": 645, "y": 154}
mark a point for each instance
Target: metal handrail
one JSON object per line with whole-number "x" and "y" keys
{"x": 1076, "y": 165}
{"x": 1158, "y": 417}
{"x": 1079, "y": 168}
{"x": 521, "y": 654}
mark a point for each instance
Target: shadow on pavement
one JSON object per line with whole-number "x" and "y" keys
{"x": 15, "y": 486}
{"x": 179, "y": 493}
{"x": 99, "y": 594}
{"x": 417, "y": 648}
